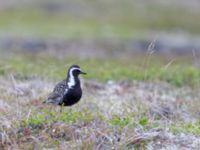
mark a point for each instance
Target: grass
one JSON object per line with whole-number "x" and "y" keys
{"x": 135, "y": 102}
{"x": 112, "y": 116}
{"x": 192, "y": 128}
{"x": 46, "y": 117}
{"x": 118, "y": 20}
{"x": 177, "y": 74}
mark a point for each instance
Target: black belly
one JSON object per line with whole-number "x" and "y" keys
{"x": 72, "y": 97}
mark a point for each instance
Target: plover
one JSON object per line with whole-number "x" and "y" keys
{"x": 67, "y": 92}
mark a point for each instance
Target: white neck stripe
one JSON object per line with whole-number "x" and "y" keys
{"x": 71, "y": 82}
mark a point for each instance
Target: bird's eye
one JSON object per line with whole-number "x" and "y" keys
{"x": 78, "y": 71}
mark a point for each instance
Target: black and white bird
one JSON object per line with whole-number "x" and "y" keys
{"x": 67, "y": 92}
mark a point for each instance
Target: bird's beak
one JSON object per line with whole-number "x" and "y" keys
{"x": 83, "y": 73}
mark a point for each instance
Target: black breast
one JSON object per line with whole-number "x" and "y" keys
{"x": 72, "y": 97}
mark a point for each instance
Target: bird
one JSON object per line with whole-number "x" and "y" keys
{"x": 67, "y": 92}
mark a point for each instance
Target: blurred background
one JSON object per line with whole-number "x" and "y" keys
{"x": 94, "y": 28}
{"x": 98, "y": 33}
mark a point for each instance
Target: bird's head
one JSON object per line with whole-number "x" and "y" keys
{"x": 75, "y": 71}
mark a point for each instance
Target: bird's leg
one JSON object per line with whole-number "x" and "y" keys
{"x": 61, "y": 108}
{"x": 70, "y": 110}
{"x": 50, "y": 109}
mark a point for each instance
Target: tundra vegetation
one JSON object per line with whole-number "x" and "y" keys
{"x": 132, "y": 99}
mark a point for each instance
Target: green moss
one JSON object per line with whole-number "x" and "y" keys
{"x": 45, "y": 117}
{"x": 143, "y": 121}
{"x": 36, "y": 120}
{"x": 119, "y": 121}
{"x": 192, "y": 128}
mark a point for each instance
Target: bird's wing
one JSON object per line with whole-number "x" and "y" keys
{"x": 57, "y": 95}
{"x": 61, "y": 87}
{"x": 54, "y": 98}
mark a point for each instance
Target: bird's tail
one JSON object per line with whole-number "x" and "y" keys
{"x": 47, "y": 101}
{"x": 50, "y": 101}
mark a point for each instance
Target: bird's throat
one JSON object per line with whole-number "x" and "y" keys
{"x": 71, "y": 81}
